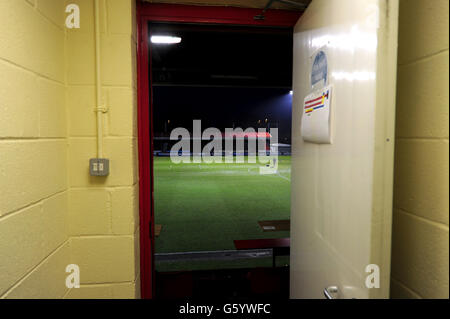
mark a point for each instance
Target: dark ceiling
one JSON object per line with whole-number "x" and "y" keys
{"x": 222, "y": 56}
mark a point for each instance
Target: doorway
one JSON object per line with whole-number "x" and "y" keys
{"x": 156, "y": 86}
{"x": 219, "y": 78}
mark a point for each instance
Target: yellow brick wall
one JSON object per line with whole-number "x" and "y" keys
{"x": 103, "y": 212}
{"x": 420, "y": 243}
{"x": 34, "y": 244}
{"x": 52, "y": 212}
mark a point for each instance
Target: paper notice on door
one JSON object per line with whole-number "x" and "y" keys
{"x": 316, "y": 120}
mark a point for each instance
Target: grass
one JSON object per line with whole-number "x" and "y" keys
{"x": 206, "y": 206}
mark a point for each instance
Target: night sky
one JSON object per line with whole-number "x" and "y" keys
{"x": 221, "y": 107}
{"x": 225, "y": 76}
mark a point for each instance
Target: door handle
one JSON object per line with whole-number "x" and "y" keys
{"x": 331, "y": 292}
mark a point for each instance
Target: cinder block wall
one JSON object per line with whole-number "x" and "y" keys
{"x": 34, "y": 244}
{"x": 103, "y": 212}
{"x": 52, "y": 212}
{"x": 420, "y": 243}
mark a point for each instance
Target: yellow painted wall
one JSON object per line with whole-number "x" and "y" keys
{"x": 52, "y": 212}
{"x": 103, "y": 212}
{"x": 34, "y": 244}
{"x": 420, "y": 243}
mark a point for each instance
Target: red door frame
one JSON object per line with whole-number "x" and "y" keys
{"x": 147, "y": 12}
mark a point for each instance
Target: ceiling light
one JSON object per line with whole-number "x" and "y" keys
{"x": 164, "y": 39}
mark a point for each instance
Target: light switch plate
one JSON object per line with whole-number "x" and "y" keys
{"x": 99, "y": 166}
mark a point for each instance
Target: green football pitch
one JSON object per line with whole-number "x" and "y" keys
{"x": 204, "y": 207}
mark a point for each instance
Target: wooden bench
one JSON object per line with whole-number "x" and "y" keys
{"x": 279, "y": 246}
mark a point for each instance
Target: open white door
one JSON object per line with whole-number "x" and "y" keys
{"x": 342, "y": 191}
